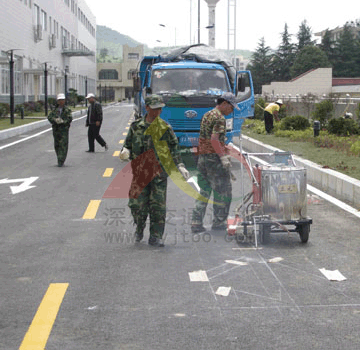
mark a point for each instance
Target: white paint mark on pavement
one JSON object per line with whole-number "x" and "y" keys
{"x": 235, "y": 262}
{"x": 223, "y": 291}
{"x": 22, "y": 187}
{"x": 275, "y": 260}
{"x": 198, "y": 276}
{"x": 335, "y": 275}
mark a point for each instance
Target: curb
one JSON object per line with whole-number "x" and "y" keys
{"x": 18, "y": 130}
{"x": 330, "y": 181}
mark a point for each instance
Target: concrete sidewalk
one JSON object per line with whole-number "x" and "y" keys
{"x": 330, "y": 181}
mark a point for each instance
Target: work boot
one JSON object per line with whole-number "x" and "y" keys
{"x": 197, "y": 228}
{"x": 156, "y": 242}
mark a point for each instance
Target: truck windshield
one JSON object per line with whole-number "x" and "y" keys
{"x": 189, "y": 82}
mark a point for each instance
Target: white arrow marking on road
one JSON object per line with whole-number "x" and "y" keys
{"x": 20, "y": 188}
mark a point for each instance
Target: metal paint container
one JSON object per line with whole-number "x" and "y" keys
{"x": 283, "y": 192}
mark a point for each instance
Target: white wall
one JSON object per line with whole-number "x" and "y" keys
{"x": 318, "y": 82}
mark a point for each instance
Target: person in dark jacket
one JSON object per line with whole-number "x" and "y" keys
{"x": 60, "y": 119}
{"x": 93, "y": 121}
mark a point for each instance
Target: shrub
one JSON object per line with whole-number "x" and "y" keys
{"x": 355, "y": 148}
{"x": 297, "y": 122}
{"x": 343, "y": 127}
{"x": 4, "y": 109}
{"x": 323, "y": 112}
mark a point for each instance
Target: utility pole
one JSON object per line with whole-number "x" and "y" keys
{"x": 198, "y": 21}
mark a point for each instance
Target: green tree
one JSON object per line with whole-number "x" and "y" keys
{"x": 309, "y": 57}
{"x": 284, "y": 57}
{"x": 327, "y": 45}
{"x": 346, "y": 52}
{"x": 260, "y": 66}
{"x": 304, "y": 36}
{"x": 103, "y": 53}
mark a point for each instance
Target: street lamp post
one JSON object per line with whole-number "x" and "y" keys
{"x": 10, "y": 54}
{"x": 198, "y": 30}
{"x": 12, "y": 107}
{"x": 85, "y": 91}
{"x": 66, "y": 77}
{"x": 46, "y": 88}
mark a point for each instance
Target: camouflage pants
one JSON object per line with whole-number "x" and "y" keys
{"x": 213, "y": 178}
{"x": 151, "y": 201}
{"x": 61, "y": 142}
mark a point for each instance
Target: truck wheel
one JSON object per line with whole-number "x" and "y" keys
{"x": 265, "y": 233}
{"x": 304, "y": 231}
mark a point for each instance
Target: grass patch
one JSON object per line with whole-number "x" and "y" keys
{"x": 33, "y": 117}
{"x": 5, "y": 122}
{"x": 326, "y": 150}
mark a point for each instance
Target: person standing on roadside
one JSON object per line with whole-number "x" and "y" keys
{"x": 271, "y": 112}
{"x": 214, "y": 166}
{"x": 60, "y": 119}
{"x": 147, "y": 195}
{"x": 93, "y": 122}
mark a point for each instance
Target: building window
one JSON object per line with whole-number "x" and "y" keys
{"x": 37, "y": 14}
{"x": 108, "y": 74}
{"x": 44, "y": 20}
{"x": 133, "y": 56}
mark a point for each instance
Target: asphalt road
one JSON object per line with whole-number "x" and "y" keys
{"x": 67, "y": 282}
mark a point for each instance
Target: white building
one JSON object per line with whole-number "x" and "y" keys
{"x": 54, "y": 35}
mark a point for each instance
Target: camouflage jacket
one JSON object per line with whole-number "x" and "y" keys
{"x": 213, "y": 122}
{"x": 153, "y": 147}
{"x": 65, "y": 115}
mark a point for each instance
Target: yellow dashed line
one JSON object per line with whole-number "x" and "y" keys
{"x": 127, "y": 128}
{"x": 116, "y": 154}
{"x": 121, "y": 141}
{"x": 92, "y": 209}
{"x": 40, "y": 328}
{"x": 108, "y": 172}
{"x": 125, "y": 133}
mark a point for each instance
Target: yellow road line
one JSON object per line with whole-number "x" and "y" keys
{"x": 116, "y": 154}
{"x": 108, "y": 172}
{"x": 125, "y": 133}
{"x": 40, "y": 328}
{"x": 127, "y": 128}
{"x": 92, "y": 209}
{"x": 121, "y": 141}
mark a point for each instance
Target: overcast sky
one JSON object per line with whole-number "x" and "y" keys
{"x": 140, "y": 20}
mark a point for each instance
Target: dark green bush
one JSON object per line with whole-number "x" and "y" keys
{"x": 323, "y": 112}
{"x": 343, "y": 127}
{"x": 4, "y": 109}
{"x": 296, "y": 122}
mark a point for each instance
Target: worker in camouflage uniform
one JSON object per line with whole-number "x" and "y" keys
{"x": 149, "y": 158}
{"x": 60, "y": 119}
{"x": 214, "y": 166}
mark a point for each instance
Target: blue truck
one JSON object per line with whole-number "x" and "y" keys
{"x": 190, "y": 79}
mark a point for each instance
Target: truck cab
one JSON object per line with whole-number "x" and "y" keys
{"x": 190, "y": 89}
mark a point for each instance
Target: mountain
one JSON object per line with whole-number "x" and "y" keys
{"x": 112, "y": 41}
{"x": 109, "y": 45}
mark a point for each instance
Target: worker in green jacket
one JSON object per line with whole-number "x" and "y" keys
{"x": 60, "y": 119}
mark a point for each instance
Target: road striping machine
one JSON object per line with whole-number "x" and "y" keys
{"x": 279, "y": 200}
